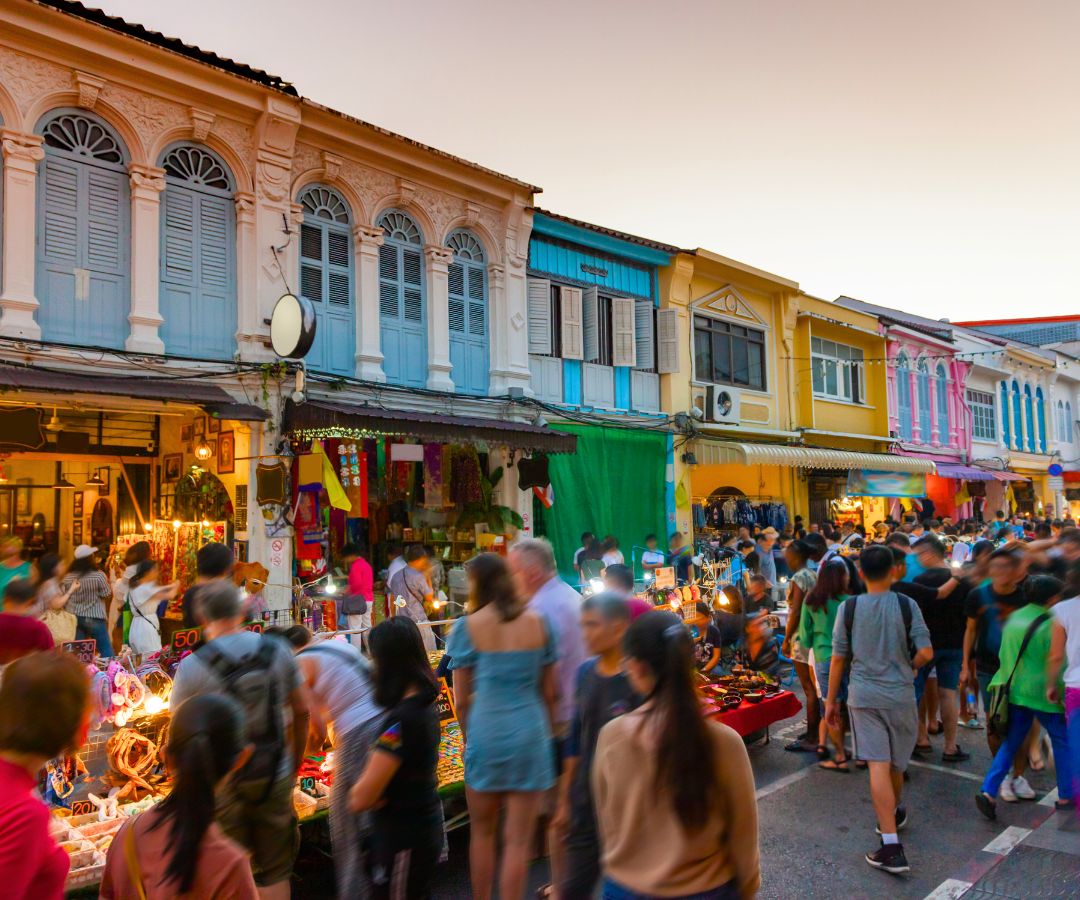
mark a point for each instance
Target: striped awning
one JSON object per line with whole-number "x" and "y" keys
{"x": 724, "y": 452}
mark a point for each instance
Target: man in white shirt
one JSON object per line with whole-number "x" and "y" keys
{"x": 532, "y": 564}
{"x": 397, "y": 561}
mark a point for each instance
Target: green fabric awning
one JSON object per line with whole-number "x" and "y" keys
{"x": 614, "y": 484}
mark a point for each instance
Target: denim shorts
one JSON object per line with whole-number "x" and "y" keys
{"x": 822, "y": 670}
{"x": 947, "y": 664}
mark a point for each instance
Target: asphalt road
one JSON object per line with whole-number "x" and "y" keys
{"x": 815, "y": 827}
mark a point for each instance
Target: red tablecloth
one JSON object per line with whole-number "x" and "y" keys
{"x": 751, "y": 717}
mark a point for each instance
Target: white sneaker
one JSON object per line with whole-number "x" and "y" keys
{"x": 1006, "y": 792}
{"x": 1022, "y": 789}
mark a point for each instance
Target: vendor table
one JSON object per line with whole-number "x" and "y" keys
{"x": 750, "y": 717}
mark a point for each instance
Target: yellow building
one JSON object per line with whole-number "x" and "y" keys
{"x": 778, "y": 395}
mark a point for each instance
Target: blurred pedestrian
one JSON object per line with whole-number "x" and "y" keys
{"x": 504, "y": 691}
{"x": 356, "y": 604}
{"x": 21, "y": 632}
{"x": 144, "y": 597}
{"x": 797, "y": 555}
{"x": 411, "y": 584}
{"x": 256, "y": 810}
{"x": 118, "y": 608}
{"x": 87, "y": 602}
{"x": 175, "y": 849}
{"x": 12, "y": 565}
{"x": 214, "y": 563}
{"x": 399, "y": 782}
{"x": 34, "y": 867}
{"x": 1065, "y": 650}
{"x": 664, "y": 769}
{"x": 532, "y": 564}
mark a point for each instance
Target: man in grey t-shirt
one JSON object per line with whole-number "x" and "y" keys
{"x": 881, "y": 692}
{"x": 411, "y": 583}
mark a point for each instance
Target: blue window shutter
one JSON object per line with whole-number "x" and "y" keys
{"x": 904, "y": 411}
{"x": 1005, "y": 431}
{"x": 1040, "y": 415}
{"x": 198, "y": 255}
{"x": 402, "y": 306}
{"x": 326, "y": 278}
{"x": 468, "y": 315}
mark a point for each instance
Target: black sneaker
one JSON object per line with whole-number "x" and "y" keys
{"x": 986, "y": 805}
{"x": 901, "y": 820}
{"x": 889, "y": 858}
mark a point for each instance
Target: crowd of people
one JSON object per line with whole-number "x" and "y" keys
{"x": 581, "y": 718}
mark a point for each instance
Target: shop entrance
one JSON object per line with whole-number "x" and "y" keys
{"x": 822, "y": 490}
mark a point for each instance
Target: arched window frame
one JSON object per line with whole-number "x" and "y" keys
{"x": 1069, "y": 427}
{"x": 1006, "y": 430}
{"x": 942, "y": 404}
{"x": 83, "y": 225}
{"x": 403, "y": 299}
{"x": 1029, "y": 418}
{"x": 905, "y": 413}
{"x": 327, "y": 276}
{"x": 198, "y": 265}
{"x": 922, "y": 380}
{"x": 469, "y": 312}
{"x": 1040, "y": 418}
{"x": 1018, "y": 416}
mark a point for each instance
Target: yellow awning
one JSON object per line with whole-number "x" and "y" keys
{"x": 724, "y": 452}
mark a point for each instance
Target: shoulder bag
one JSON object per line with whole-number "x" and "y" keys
{"x": 997, "y": 710}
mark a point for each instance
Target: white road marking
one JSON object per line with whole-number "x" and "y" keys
{"x": 784, "y": 782}
{"x": 1050, "y": 799}
{"x": 949, "y": 890}
{"x": 1009, "y": 838}
{"x": 970, "y": 776}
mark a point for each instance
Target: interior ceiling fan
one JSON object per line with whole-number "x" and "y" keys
{"x": 54, "y": 425}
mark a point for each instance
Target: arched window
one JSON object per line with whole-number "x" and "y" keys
{"x": 326, "y": 278}
{"x": 198, "y": 254}
{"x": 1017, "y": 417}
{"x": 1069, "y": 427}
{"x": 1005, "y": 430}
{"x": 402, "y": 307}
{"x": 1059, "y": 424}
{"x": 942, "y": 405}
{"x": 1040, "y": 418}
{"x": 468, "y": 314}
{"x": 923, "y": 381}
{"x": 1029, "y": 418}
{"x": 904, "y": 412}
{"x": 83, "y": 232}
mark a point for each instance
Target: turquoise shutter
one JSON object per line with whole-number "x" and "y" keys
{"x": 198, "y": 256}
{"x": 58, "y": 247}
{"x": 904, "y": 411}
{"x": 942, "y": 405}
{"x": 326, "y": 279}
{"x": 402, "y": 307}
{"x": 1029, "y": 417}
{"x": 1040, "y": 415}
{"x": 468, "y": 316}
{"x": 1005, "y": 431}
{"x": 1017, "y": 417}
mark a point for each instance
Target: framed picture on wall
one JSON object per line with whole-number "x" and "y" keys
{"x": 213, "y": 425}
{"x": 226, "y": 453}
{"x": 171, "y": 467}
{"x": 76, "y": 532}
{"x": 185, "y": 434}
{"x": 105, "y": 474}
{"x": 200, "y": 426}
{"x": 77, "y": 504}
{"x": 22, "y": 497}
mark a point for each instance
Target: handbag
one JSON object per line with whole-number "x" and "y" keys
{"x": 61, "y": 624}
{"x": 997, "y": 711}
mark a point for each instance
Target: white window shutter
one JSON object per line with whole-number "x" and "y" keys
{"x": 539, "y": 300}
{"x": 623, "y": 334}
{"x": 590, "y": 327}
{"x": 571, "y": 322}
{"x": 644, "y": 335}
{"x": 667, "y": 340}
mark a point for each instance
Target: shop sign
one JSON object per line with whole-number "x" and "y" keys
{"x": 21, "y": 428}
{"x": 255, "y": 627}
{"x": 665, "y": 577}
{"x": 862, "y": 483}
{"x": 186, "y": 639}
{"x": 82, "y": 807}
{"x": 1055, "y": 469}
{"x": 292, "y": 326}
{"x": 277, "y": 553}
{"x": 444, "y": 703}
{"x": 85, "y": 651}
{"x": 307, "y": 785}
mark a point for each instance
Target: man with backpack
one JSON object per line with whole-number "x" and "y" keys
{"x": 882, "y": 637}
{"x": 260, "y": 673}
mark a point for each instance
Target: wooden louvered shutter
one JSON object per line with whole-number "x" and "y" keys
{"x": 477, "y": 303}
{"x": 339, "y": 268}
{"x": 571, "y": 322}
{"x": 456, "y": 288}
{"x": 61, "y": 211}
{"x": 214, "y": 244}
{"x": 539, "y": 300}
{"x": 623, "y": 332}
{"x": 590, "y": 326}
{"x": 644, "y": 335}
{"x": 178, "y": 262}
{"x": 104, "y": 251}
{"x": 413, "y": 296}
{"x": 667, "y": 341}
{"x": 311, "y": 263}
{"x": 389, "y": 305}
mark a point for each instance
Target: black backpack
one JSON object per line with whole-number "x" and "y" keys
{"x": 250, "y": 681}
{"x": 905, "y": 611}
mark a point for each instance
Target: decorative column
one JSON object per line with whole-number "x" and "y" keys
{"x": 509, "y": 328}
{"x": 22, "y": 153}
{"x": 916, "y": 407}
{"x": 437, "y": 260}
{"x": 369, "y": 357}
{"x": 147, "y": 183}
{"x": 247, "y": 259}
{"x": 935, "y": 435}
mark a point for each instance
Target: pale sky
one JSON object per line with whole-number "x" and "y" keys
{"x": 923, "y": 155}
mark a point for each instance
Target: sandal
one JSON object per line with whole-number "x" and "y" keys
{"x": 797, "y": 746}
{"x": 937, "y": 729}
{"x": 922, "y": 750}
{"x": 835, "y": 765}
{"x": 861, "y": 764}
{"x": 1063, "y": 805}
{"x": 822, "y": 751}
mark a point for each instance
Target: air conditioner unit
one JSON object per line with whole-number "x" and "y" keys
{"x": 723, "y": 405}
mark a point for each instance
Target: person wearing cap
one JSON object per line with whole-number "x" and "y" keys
{"x": 88, "y": 601}
{"x": 766, "y": 540}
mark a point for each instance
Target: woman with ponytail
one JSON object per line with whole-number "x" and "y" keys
{"x": 174, "y": 849}
{"x": 665, "y": 769}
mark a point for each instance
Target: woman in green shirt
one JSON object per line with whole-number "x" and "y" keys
{"x": 815, "y": 633}
{"x": 1027, "y": 692}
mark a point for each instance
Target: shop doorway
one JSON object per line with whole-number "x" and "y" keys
{"x": 822, "y": 490}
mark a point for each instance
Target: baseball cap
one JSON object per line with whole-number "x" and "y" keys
{"x": 84, "y": 550}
